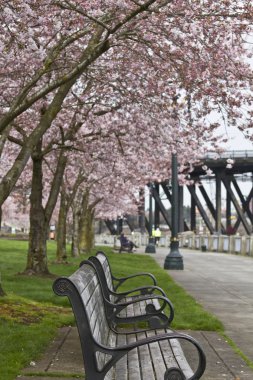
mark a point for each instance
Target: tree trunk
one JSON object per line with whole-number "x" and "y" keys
{"x": 90, "y": 239}
{"x": 86, "y": 228}
{"x": 61, "y": 252}
{"x": 2, "y": 292}
{"x": 86, "y": 232}
{"x": 40, "y": 217}
{"x": 75, "y": 233}
{"x": 37, "y": 253}
{"x": 82, "y": 244}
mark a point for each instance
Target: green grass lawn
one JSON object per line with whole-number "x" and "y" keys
{"x": 29, "y": 314}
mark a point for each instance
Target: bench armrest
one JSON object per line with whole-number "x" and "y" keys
{"x": 142, "y": 290}
{"x": 118, "y": 352}
{"x": 150, "y": 308}
{"x": 121, "y": 280}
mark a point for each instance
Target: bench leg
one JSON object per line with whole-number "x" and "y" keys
{"x": 174, "y": 374}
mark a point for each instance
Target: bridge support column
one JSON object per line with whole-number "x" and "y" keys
{"x": 228, "y": 210}
{"x": 193, "y": 213}
{"x": 218, "y": 204}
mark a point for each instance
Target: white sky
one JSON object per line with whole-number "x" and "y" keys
{"x": 236, "y": 140}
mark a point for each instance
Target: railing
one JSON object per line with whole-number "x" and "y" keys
{"x": 229, "y": 154}
{"x": 234, "y": 244}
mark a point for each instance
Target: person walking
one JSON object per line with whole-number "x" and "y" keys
{"x": 157, "y": 234}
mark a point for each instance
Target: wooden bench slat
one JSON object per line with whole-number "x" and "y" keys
{"x": 133, "y": 360}
{"x": 102, "y": 358}
{"x": 145, "y": 362}
{"x": 179, "y": 355}
{"x": 110, "y": 375}
{"x": 156, "y": 358}
{"x": 121, "y": 370}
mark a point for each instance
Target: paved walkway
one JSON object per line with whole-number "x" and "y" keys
{"x": 222, "y": 283}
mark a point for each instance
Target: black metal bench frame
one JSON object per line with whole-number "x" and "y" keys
{"x": 118, "y": 281}
{"x": 101, "y": 347}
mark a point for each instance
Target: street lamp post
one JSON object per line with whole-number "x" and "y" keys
{"x": 174, "y": 260}
{"x": 150, "y": 248}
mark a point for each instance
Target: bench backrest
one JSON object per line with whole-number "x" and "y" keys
{"x": 103, "y": 268}
{"x": 84, "y": 292}
{"x": 107, "y": 270}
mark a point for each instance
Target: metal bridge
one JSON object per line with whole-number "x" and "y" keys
{"x": 224, "y": 175}
{"x": 236, "y": 206}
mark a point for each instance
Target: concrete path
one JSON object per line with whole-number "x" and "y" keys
{"x": 63, "y": 359}
{"x": 222, "y": 283}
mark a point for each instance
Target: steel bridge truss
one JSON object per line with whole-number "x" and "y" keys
{"x": 209, "y": 210}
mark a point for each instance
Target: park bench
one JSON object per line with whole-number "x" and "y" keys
{"x": 128, "y": 247}
{"x": 123, "y": 248}
{"x": 135, "y": 305}
{"x": 110, "y": 355}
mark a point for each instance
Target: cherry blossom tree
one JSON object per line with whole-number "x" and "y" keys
{"x": 198, "y": 43}
{"x": 122, "y": 162}
{"x": 39, "y": 41}
{"x": 157, "y": 71}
